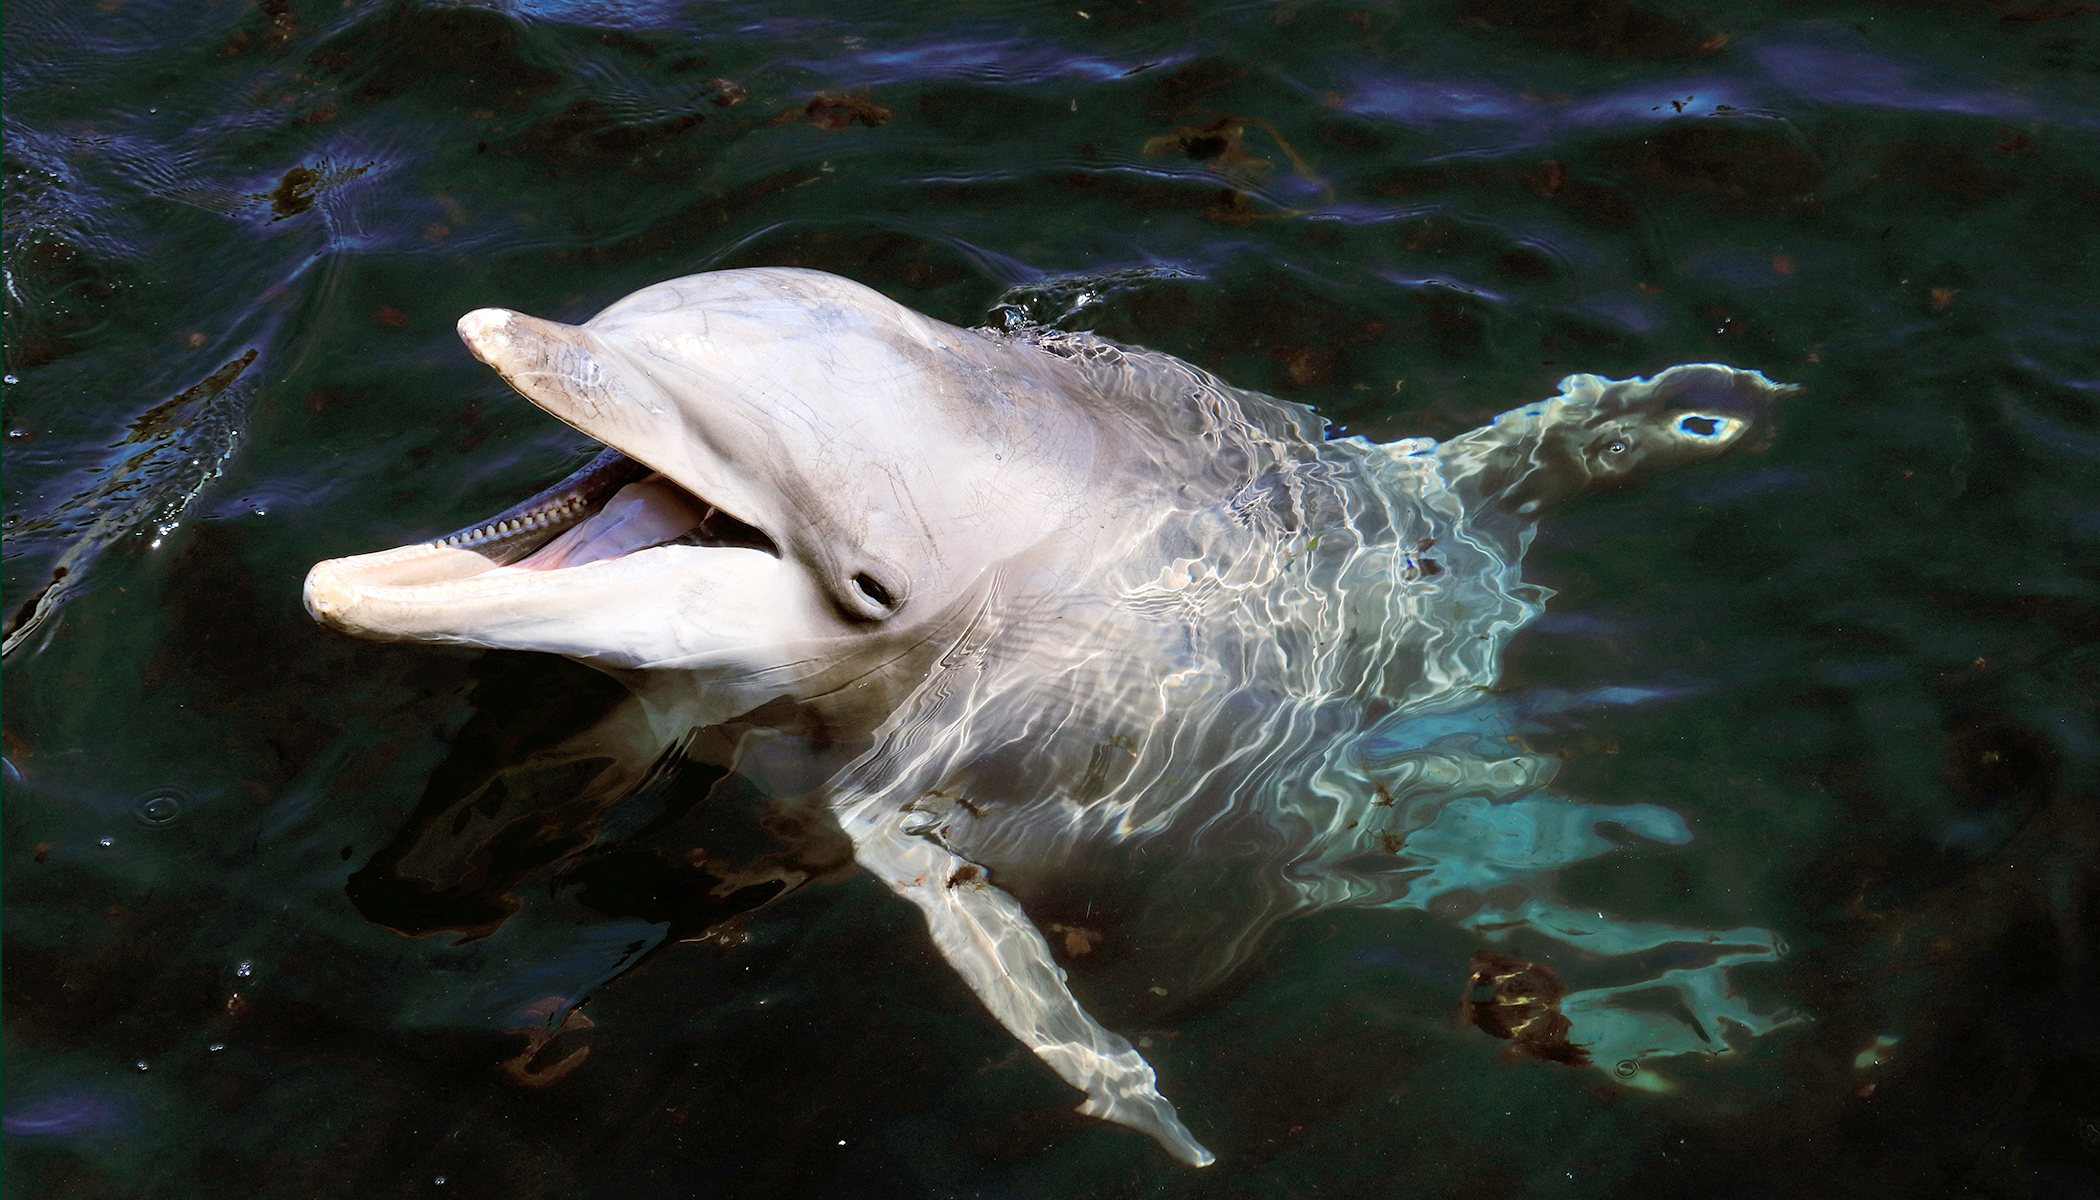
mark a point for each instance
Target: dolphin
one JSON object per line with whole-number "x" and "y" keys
{"x": 1061, "y": 602}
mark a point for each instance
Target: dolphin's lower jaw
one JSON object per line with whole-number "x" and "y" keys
{"x": 474, "y": 585}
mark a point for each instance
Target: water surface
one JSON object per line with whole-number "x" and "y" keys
{"x": 1857, "y": 663}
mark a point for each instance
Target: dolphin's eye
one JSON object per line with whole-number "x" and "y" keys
{"x": 1699, "y": 426}
{"x": 874, "y": 591}
{"x": 1615, "y": 446}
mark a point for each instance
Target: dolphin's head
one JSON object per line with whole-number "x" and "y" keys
{"x": 804, "y": 480}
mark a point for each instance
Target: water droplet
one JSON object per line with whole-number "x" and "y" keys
{"x": 105, "y": 842}
{"x": 246, "y": 969}
{"x": 158, "y": 808}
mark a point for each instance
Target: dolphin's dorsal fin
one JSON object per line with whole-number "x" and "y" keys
{"x": 1601, "y": 433}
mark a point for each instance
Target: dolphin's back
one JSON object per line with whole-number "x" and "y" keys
{"x": 1268, "y": 595}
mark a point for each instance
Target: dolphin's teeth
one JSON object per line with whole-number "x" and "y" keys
{"x": 557, "y": 511}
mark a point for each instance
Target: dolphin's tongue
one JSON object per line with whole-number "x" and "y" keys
{"x": 638, "y": 516}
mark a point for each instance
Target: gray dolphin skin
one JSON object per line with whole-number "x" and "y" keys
{"x": 1085, "y": 618}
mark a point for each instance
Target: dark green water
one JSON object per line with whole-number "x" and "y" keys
{"x": 1869, "y": 645}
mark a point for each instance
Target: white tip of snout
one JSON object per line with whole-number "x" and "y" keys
{"x": 326, "y": 594}
{"x": 486, "y": 331}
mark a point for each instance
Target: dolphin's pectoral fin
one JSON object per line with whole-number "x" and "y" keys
{"x": 999, "y": 952}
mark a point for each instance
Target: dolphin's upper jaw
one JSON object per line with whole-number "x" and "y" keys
{"x": 605, "y": 527}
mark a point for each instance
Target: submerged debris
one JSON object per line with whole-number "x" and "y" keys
{"x": 1078, "y": 941}
{"x": 297, "y": 191}
{"x": 836, "y": 110}
{"x": 1520, "y": 1001}
{"x": 1222, "y": 143}
{"x": 536, "y": 1039}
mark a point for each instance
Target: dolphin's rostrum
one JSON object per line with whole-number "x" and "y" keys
{"x": 1063, "y": 600}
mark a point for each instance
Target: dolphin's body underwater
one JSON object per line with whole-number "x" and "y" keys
{"x": 1061, "y": 602}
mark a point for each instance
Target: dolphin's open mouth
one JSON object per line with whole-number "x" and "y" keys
{"x": 612, "y": 509}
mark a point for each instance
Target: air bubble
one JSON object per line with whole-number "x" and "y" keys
{"x": 106, "y": 842}
{"x": 9, "y": 378}
{"x": 246, "y": 969}
{"x": 158, "y": 808}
